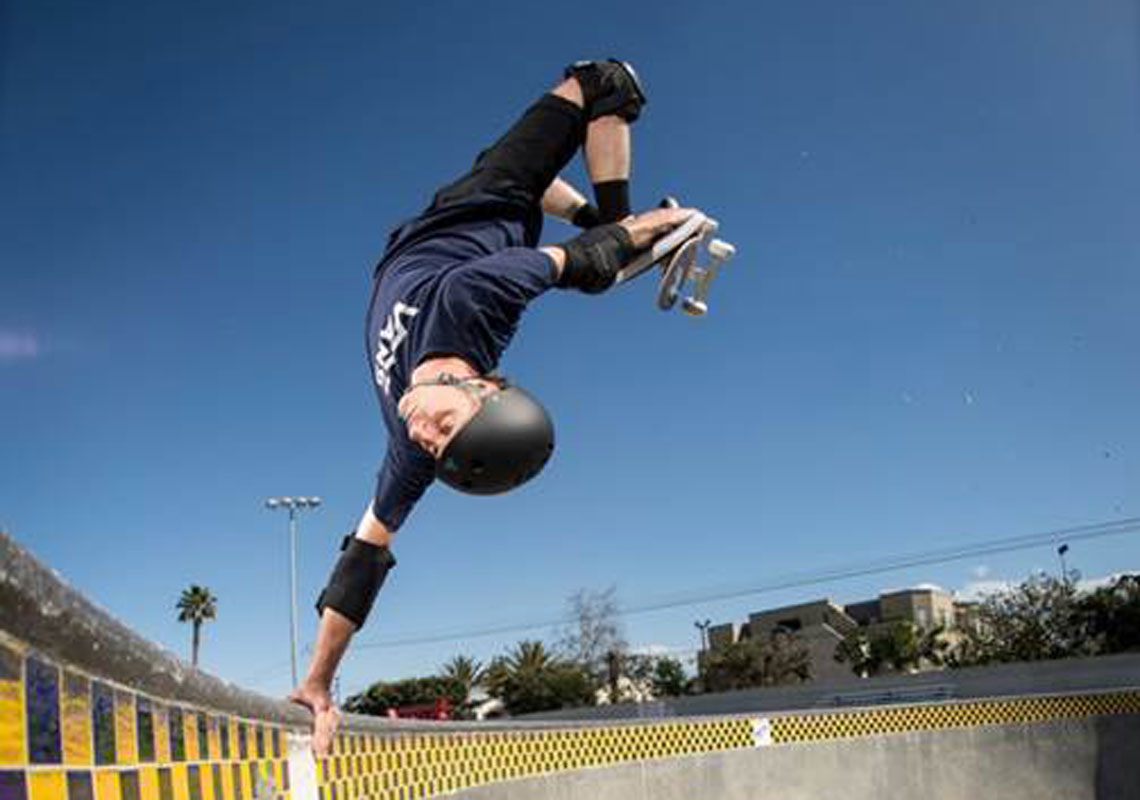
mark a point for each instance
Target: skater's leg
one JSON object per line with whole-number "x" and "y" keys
{"x": 592, "y": 105}
{"x": 613, "y": 98}
{"x": 609, "y": 157}
{"x": 522, "y": 164}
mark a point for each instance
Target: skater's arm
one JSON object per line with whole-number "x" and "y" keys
{"x": 562, "y": 200}
{"x": 333, "y": 637}
{"x": 373, "y": 530}
{"x": 644, "y": 230}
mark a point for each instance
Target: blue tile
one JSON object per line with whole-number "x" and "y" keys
{"x": 79, "y": 785}
{"x": 13, "y": 785}
{"x": 235, "y": 771}
{"x": 144, "y": 715}
{"x": 224, "y": 724}
{"x": 103, "y": 722}
{"x": 42, "y": 683}
{"x": 195, "y": 783}
{"x": 203, "y": 739}
{"x": 129, "y": 785}
{"x": 177, "y": 735}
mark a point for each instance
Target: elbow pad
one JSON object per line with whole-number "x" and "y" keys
{"x": 594, "y": 258}
{"x": 356, "y": 579}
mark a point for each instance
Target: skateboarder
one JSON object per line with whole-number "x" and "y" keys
{"x": 446, "y": 299}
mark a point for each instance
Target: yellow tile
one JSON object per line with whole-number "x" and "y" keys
{"x": 215, "y": 739}
{"x": 207, "y": 780}
{"x": 243, "y": 777}
{"x": 76, "y": 720}
{"x": 235, "y": 753}
{"x": 161, "y": 734}
{"x": 227, "y": 788}
{"x": 190, "y": 734}
{"x": 107, "y": 785}
{"x": 180, "y": 778}
{"x": 47, "y": 785}
{"x": 148, "y": 783}
{"x": 13, "y": 736}
{"x": 126, "y": 735}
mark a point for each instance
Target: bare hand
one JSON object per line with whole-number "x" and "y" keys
{"x": 326, "y": 717}
{"x": 647, "y": 228}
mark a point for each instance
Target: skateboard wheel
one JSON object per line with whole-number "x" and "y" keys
{"x": 718, "y": 248}
{"x": 676, "y": 273}
{"x": 694, "y": 307}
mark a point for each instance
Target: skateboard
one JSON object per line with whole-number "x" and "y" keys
{"x": 678, "y": 253}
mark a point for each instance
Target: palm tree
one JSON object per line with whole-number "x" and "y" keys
{"x": 196, "y": 606}
{"x": 466, "y": 671}
{"x": 530, "y": 658}
{"x": 530, "y": 678}
{"x": 527, "y": 662}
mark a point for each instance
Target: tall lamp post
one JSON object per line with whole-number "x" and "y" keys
{"x": 293, "y": 504}
{"x": 703, "y": 627}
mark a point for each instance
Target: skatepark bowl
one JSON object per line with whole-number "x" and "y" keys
{"x": 91, "y": 711}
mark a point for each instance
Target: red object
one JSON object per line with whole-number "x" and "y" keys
{"x": 440, "y": 709}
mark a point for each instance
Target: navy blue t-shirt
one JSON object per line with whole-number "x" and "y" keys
{"x": 453, "y": 281}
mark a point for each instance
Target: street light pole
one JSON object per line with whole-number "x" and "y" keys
{"x": 293, "y": 504}
{"x": 703, "y": 627}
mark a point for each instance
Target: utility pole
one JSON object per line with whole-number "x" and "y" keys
{"x": 703, "y": 627}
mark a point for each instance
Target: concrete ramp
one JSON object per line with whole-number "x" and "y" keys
{"x": 91, "y": 711}
{"x": 1087, "y": 759}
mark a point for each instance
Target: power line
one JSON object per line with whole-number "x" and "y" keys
{"x": 889, "y": 564}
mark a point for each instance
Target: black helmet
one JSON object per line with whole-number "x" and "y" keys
{"x": 506, "y": 443}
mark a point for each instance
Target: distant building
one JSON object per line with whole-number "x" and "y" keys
{"x": 821, "y": 625}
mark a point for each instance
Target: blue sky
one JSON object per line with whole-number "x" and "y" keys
{"x": 927, "y": 340}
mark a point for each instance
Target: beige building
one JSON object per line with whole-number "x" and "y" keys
{"x": 821, "y": 625}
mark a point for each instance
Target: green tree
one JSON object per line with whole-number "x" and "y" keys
{"x": 1041, "y": 618}
{"x": 774, "y": 661}
{"x": 901, "y": 647}
{"x": 669, "y": 678}
{"x": 381, "y": 696}
{"x": 466, "y": 670}
{"x": 664, "y": 675}
{"x": 855, "y": 650}
{"x": 1110, "y": 615}
{"x": 196, "y": 606}
{"x": 530, "y": 678}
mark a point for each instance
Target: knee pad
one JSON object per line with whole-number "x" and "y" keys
{"x": 594, "y": 258}
{"x": 356, "y": 579}
{"x": 609, "y": 87}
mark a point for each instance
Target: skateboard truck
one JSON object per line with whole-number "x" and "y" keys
{"x": 696, "y": 304}
{"x": 678, "y": 252}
